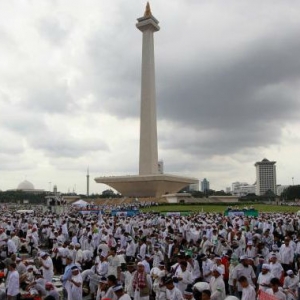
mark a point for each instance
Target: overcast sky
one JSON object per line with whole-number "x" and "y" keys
{"x": 227, "y": 77}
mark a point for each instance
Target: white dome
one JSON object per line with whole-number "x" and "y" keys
{"x": 25, "y": 185}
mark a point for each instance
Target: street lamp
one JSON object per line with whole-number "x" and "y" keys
{"x": 293, "y": 180}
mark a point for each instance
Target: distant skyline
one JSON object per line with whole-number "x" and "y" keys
{"x": 227, "y": 79}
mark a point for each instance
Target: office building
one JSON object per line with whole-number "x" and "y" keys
{"x": 265, "y": 177}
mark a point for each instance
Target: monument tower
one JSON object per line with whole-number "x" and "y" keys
{"x": 150, "y": 182}
{"x": 148, "y": 125}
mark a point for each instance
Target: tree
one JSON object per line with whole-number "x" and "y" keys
{"x": 291, "y": 193}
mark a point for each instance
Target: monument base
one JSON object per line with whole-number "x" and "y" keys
{"x": 147, "y": 185}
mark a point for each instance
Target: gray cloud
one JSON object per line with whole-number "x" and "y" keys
{"x": 58, "y": 145}
{"x": 53, "y": 30}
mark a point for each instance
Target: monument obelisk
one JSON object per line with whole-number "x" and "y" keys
{"x": 148, "y": 124}
{"x": 149, "y": 182}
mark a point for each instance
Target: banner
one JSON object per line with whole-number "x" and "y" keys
{"x": 235, "y": 213}
{"x": 265, "y": 296}
{"x": 173, "y": 214}
{"x": 121, "y": 213}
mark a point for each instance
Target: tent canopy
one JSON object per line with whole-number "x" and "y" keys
{"x": 80, "y": 203}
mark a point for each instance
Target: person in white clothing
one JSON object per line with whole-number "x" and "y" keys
{"x": 11, "y": 247}
{"x": 119, "y": 291}
{"x": 275, "y": 290}
{"x": 275, "y": 267}
{"x": 47, "y": 266}
{"x": 217, "y": 285}
{"x": 184, "y": 276}
{"x": 206, "y": 268}
{"x": 172, "y": 293}
{"x": 130, "y": 250}
{"x": 248, "y": 291}
{"x": 75, "y": 289}
{"x": 264, "y": 277}
{"x": 13, "y": 284}
{"x": 286, "y": 252}
{"x": 291, "y": 282}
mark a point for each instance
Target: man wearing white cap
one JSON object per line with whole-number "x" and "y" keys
{"x": 119, "y": 291}
{"x": 75, "y": 289}
{"x": 156, "y": 274}
{"x": 130, "y": 250}
{"x": 275, "y": 267}
{"x": 142, "y": 284}
{"x": 291, "y": 282}
{"x": 47, "y": 266}
{"x": 286, "y": 252}
{"x": 172, "y": 293}
{"x": 217, "y": 285}
{"x": 250, "y": 250}
{"x": 157, "y": 255}
{"x": 264, "y": 277}
{"x": 206, "y": 267}
{"x": 243, "y": 269}
{"x": 184, "y": 276}
{"x": 188, "y": 293}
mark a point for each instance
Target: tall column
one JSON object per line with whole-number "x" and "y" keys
{"x": 148, "y": 125}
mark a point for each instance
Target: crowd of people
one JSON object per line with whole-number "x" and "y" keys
{"x": 202, "y": 256}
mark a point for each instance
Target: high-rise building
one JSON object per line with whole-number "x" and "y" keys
{"x": 265, "y": 177}
{"x": 242, "y": 189}
{"x": 204, "y": 185}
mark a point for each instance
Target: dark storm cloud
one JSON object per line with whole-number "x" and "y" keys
{"x": 114, "y": 75}
{"x": 245, "y": 101}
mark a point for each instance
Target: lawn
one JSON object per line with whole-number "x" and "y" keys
{"x": 218, "y": 208}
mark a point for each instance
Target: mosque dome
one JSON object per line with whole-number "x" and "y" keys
{"x": 25, "y": 185}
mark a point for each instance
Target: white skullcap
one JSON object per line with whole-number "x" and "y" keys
{"x": 201, "y": 286}
{"x": 266, "y": 266}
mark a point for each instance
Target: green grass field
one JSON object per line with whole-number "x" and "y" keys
{"x": 219, "y": 208}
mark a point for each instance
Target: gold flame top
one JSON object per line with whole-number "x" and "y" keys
{"x": 148, "y": 11}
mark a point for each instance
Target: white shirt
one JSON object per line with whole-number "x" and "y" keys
{"x": 217, "y": 287}
{"x": 13, "y": 285}
{"x": 264, "y": 279}
{"x": 241, "y": 270}
{"x": 286, "y": 254}
{"x": 276, "y": 269}
{"x": 248, "y": 293}
{"x": 174, "y": 294}
{"x": 279, "y": 294}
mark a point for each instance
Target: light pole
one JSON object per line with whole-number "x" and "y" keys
{"x": 293, "y": 180}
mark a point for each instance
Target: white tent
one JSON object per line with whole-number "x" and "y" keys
{"x": 80, "y": 203}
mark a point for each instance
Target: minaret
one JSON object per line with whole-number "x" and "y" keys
{"x": 148, "y": 127}
{"x": 88, "y": 182}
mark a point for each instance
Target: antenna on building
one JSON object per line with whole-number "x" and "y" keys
{"x": 88, "y": 182}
